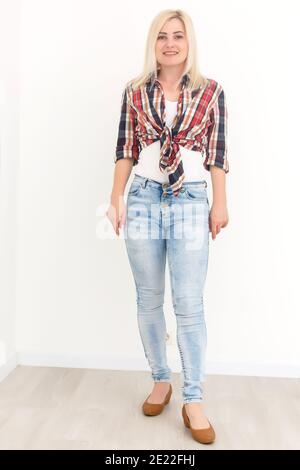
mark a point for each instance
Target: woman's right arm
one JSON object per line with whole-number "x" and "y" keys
{"x": 127, "y": 151}
{"x": 117, "y": 209}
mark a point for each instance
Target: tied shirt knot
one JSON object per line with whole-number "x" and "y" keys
{"x": 170, "y": 157}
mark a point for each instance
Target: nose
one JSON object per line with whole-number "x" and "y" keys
{"x": 170, "y": 43}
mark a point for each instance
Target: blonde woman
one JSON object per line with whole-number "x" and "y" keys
{"x": 172, "y": 130}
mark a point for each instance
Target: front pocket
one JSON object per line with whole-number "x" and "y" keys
{"x": 135, "y": 188}
{"x": 196, "y": 194}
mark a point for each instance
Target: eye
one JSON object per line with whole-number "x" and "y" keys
{"x": 177, "y": 37}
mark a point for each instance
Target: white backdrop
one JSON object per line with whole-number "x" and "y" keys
{"x": 9, "y": 164}
{"x": 74, "y": 292}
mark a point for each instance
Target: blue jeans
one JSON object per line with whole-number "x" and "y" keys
{"x": 161, "y": 226}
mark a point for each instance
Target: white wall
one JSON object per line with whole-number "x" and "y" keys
{"x": 75, "y": 292}
{"x": 9, "y": 161}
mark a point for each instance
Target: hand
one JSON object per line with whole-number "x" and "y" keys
{"x": 218, "y": 218}
{"x": 116, "y": 212}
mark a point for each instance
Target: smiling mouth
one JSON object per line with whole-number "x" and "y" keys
{"x": 170, "y": 53}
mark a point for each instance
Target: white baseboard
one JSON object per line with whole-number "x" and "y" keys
{"x": 254, "y": 369}
{"x": 9, "y": 366}
{"x": 137, "y": 363}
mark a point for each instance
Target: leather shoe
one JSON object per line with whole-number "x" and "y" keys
{"x": 203, "y": 435}
{"x": 153, "y": 409}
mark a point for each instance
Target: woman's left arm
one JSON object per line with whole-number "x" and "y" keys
{"x": 218, "y": 217}
{"x": 217, "y": 163}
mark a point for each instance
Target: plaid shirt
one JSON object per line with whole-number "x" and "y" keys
{"x": 200, "y": 124}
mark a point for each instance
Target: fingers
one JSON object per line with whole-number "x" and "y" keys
{"x": 120, "y": 223}
{"x": 215, "y": 230}
{"x": 119, "y": 226}
{"x": 113, "y": 220}
{"x": 123, "y": 219}
{"x": 216, "y": 223}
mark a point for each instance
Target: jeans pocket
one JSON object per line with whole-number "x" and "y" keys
{"x": 196, "y": 193}
{"x": 135, "y": 188}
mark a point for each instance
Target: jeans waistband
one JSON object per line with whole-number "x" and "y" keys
{"x": 144, "y": 180}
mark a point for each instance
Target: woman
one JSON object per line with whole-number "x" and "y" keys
{"x": 171, "y": 116}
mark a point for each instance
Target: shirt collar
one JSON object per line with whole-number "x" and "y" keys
{"x": 153, "y": 79}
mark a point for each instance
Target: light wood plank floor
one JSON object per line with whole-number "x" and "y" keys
{"x": 58, "y": 408}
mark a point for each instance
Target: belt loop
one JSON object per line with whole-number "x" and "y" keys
{"x": 145, "y": 183}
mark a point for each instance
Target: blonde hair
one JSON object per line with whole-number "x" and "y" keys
{"x": 150, "y": 62}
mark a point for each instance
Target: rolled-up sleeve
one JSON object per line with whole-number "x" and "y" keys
{"x": 216, "y": 148}
{"x": 127, "y": 144}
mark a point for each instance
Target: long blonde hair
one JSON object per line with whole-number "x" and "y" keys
{"x": 150, "y": 62}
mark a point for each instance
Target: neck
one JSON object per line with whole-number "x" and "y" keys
{"x": 170, "y": 76}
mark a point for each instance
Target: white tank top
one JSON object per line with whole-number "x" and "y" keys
{"x": 192, "y": 160}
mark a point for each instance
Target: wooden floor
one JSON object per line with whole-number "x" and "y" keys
{"x": 57, "y": 408}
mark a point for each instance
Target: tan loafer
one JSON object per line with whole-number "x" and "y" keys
{"x": 153, "y": 409}
{"x": 205, "y": 435}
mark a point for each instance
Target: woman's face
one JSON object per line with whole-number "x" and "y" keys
{"x": 171, "y": 38}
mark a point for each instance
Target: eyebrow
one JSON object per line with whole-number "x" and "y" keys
{"x": 163, "y": 32}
